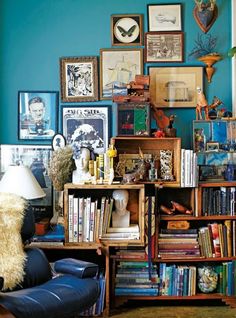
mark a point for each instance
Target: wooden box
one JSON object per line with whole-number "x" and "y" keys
{"x": 96, "y": 192}
{"x": 152, "y": 146}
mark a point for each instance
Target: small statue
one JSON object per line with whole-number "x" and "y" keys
{"x": 201, "y": 104}
{"x": 121, "y": 216}
{"x": 170, "y": 131}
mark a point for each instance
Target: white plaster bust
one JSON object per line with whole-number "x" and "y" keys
{"x": 81, "y": 174}
{"x": 121, "y": 216}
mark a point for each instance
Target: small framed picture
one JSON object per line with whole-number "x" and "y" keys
{"x": 58, "y": 141}
{"x": 127, "y": 29}
{"x": 164, "y": 47}
{"x": 79, "y": 79}
{"x": 164, "y": 17}
{"x": 37, "y": 118}
{"x": 87, "y": 126}
{"x": 133, "y": 119}
{"x": 212, "y": 146}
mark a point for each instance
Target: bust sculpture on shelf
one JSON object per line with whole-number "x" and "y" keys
{"x": 121, "y": 216}
{"x": 81, "y": 174}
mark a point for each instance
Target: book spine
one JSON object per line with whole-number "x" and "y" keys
{"x": 70, "y": 217}
{"x": 75, "y": 219}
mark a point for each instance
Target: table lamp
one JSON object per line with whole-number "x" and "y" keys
{"x": 21, "y": 181}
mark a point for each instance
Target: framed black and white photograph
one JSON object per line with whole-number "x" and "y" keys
{"x": 164, "y": 47}
{"x": 79, "y": 79}
{"x": 37, "y": 114}
{"x": 87, "y": 126}
{"x": 58, "y": 141}
{"x": 37, "y": 159}
{"x": 164, "y": 17}
{"x": 127, "y": 29}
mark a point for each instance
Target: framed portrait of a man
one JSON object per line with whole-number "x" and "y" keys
{"x": 87, "y": 126}
{"x": 37, "y": 112}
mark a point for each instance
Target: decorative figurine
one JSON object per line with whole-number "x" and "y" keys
{"x": 176, "y": 207}
{"x": 81, "y": 174}
{"x": 202, "y": 104}
{"x": 112, "y": 153}
{"x": 166, "y": 165}
{"x": 170, "y": 131}
{"x": 121, "y": 216}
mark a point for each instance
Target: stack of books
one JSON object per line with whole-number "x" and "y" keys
{"x": 130, "y": 232}
{"x": 55, "y": 236}
{"x": 178, "y": 243}
{"x": 132, "y": 278}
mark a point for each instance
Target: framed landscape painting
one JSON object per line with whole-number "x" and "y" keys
{"x": 117, "y": 68}
{"x": 37, "y": 159}
{"x": 175, "y": 86}
{"x": 79, "y": 79}
{"x": 87, "y": 126}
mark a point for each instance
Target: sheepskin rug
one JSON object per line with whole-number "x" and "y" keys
{"x": 12, "y": 256}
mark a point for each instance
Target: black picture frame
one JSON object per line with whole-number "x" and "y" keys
{"x": 58, "y": 141}
{"x": 37, "y": 115}
{"x": 164, "y": 17}
{"x": 87, "y": 126}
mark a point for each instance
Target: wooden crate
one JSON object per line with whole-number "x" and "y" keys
{"x": 149, "y": 145}
{"x": 135, "y": 206}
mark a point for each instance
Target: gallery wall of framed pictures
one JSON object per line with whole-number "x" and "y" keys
{"x": 74, "y": 113}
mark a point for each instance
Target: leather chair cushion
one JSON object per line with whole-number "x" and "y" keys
{"x": 59, "y": 297}
{"x": 76, "y": 267}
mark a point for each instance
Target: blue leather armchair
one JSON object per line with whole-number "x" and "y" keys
{"x": 43, "y": 294}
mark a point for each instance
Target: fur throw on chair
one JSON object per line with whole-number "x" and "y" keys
{"x": 12, "y": 256}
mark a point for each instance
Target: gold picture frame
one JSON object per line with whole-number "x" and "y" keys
{"x": 127, "y": 29}
{"x": 175, "y": 86}
{"x": 79, "y": 79}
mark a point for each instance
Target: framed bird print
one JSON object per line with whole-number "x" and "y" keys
{"x": 127, "y": 29}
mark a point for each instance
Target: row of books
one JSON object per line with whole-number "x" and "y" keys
{"x": 218, "y": 240}
{"x": 98, "y": 307}
{"x": 178, "y": 243}
{"x": 226, "y": 278}
{"x": 189, "y": 168}
{"x": 177, "y": 280}
{"x": 219, "y": 201}
{"x": 133, "y": 279}
{"x": 90, "y": 220}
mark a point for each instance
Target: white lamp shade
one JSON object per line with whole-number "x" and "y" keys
{"x": 20, "y": 180}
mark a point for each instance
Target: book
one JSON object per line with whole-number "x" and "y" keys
{"x": 133, "y": 228}
{"x": 70, "y": 218}
{"x": 80, "y": 219}
{"x": 75, "y": 220}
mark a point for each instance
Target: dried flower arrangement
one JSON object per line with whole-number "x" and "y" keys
{"x": 61, "y": 166}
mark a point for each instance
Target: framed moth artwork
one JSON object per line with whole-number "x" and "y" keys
{"x": 127, "y": 29}
{"x": 79, "y": 79}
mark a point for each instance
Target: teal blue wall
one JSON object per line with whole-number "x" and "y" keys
{"x": 34, "y": 34}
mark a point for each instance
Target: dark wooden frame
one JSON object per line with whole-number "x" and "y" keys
{"x": 163, "y": 51}
{"x": 138, "y": 41}
{"x": 165, "y": 18}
